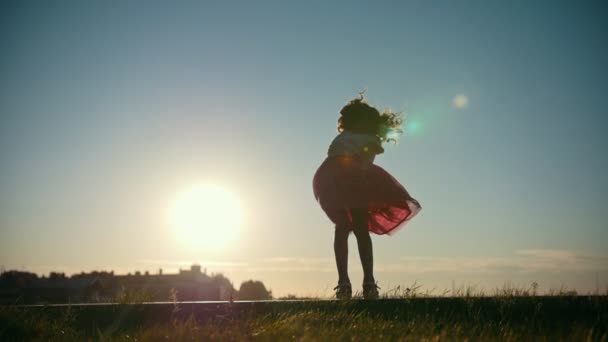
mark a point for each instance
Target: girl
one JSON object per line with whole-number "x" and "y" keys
{"x": 358, "y": 195}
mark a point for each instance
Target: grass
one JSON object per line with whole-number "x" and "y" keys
{"x": 413, "y": 317}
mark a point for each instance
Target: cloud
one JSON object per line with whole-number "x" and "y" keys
{"x": 529, "y": 260}
{"x": 522, "y": 261}
{"x": 320, "y": 269}
{"x": 295, "y": 264}
{"x": 547, "y": 253}
{"x": 184, "y": 263}
{"x": 274, "y": 264}
{"x": 298, "y": 260}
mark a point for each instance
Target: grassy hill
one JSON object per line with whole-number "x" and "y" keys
{"x": 510, "y": 318}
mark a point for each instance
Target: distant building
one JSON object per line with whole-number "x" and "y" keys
{"x": 187, "y": 285}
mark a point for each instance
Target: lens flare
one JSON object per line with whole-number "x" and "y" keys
{"x": 412, "y": 127}
{"x": 460, "y": 101}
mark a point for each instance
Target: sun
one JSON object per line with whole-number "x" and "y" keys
{"x": 206, "y": 216}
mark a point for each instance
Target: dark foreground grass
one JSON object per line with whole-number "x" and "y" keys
{"x": 429, "y": 319}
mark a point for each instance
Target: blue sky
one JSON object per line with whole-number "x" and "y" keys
{"x": 109, "y": 109}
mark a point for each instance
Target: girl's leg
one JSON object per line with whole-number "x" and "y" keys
{"x": 341, "y": 251}
{"x": 364, "y": 242}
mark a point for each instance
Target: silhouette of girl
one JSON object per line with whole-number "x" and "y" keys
{"x": 358, "y": 195}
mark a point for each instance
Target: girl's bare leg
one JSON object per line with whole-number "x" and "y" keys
{"x": 364, "y": 242}
{"x": 341, "y": 251}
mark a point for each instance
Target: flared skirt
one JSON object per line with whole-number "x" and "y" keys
{"x": 344, "y": 183}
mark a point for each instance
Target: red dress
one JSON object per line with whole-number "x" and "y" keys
{"x": 345, "y": 182}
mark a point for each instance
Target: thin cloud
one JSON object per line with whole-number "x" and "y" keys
{"x": 295, "y": 264}
{"x": 183, "y": 263}
{"x": 284, "y": 269}
{"x": 547, "y": 253}
{"x": 275, "y": 264}
{"x": 522, "y": 261}
{"x": 529, "y": 260}
{"x": 299, "y": 260}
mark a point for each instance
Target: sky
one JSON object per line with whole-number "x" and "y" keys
{"x": 110, "y": 109}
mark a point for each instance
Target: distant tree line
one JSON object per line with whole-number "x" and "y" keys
{"x": 254, "y": 290}
{"x": 101, "y": 286}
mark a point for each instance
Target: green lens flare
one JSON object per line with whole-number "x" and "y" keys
{"x": 412, "y": 127}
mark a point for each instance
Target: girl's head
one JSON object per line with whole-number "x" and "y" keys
{"x": 359, "y": 117}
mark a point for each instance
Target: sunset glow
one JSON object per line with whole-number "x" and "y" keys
{"x": 139, "y": 136}
{"x": 206, "y": 216}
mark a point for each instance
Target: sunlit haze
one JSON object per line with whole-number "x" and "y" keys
{"x": 138, "y": 136}
{"x": 206, "y": 216}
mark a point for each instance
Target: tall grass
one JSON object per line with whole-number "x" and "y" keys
{"x": 414, "y": 315}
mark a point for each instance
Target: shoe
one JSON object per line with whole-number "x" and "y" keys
{"x": 370, "y": 291}
{"x": 343, "y": 291}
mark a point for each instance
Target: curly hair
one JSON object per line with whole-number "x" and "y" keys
{"x": 359, "y": 117}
